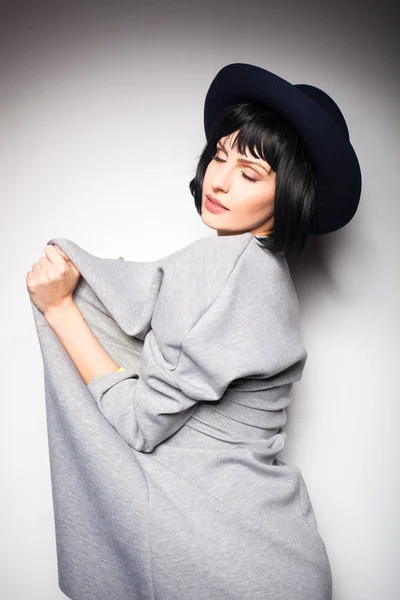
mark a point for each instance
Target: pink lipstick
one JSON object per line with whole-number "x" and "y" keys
{"x": 213, "y": 205}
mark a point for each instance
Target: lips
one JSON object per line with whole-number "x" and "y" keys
{"x": 216, "y": 202}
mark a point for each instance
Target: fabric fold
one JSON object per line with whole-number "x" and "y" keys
{"x": 127, "y": 289}
{"x": 157, "y": 465}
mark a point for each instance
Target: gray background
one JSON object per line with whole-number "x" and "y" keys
{"x": 101, "y": 109}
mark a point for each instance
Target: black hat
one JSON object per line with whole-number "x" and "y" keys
{"x": 317, "y": 120}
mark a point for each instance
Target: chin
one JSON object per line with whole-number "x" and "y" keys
{"x": 205, "y": 221}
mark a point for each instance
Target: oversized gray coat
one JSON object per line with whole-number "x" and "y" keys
{"x": 165, "y": 478}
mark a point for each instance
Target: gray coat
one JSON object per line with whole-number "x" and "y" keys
{"x": 165, "y": 478}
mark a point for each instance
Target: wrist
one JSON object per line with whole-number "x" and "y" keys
{"x": 67, "y": 306}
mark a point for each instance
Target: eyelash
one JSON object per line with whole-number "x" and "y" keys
{"x": 244, "y": 174}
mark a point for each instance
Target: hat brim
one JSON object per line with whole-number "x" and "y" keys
{"x": 336, "y": 165}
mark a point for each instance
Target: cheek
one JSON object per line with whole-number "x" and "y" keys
{"x": 258, "y": 201}
{"x": 208, "y": 174}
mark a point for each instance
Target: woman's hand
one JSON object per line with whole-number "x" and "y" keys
{"x": 52, "y": 280}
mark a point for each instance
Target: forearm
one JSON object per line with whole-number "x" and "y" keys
{"x": 86, "y": 352}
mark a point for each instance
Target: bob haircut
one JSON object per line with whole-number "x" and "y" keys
{"x": 270, "y": 137}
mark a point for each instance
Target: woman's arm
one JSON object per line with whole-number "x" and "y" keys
{"x": 83, "y": 347}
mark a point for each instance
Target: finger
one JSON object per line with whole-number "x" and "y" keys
{"x": 55, "y": 257}
{"x": 65, "y": 258}
{"x": 45, "y": 263}
{"x": 36, "y": 269}
{"x": 60, "y": 251}
{"x": 120, "y": 258}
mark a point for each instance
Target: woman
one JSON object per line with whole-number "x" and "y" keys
{"x": 167, "y": 485}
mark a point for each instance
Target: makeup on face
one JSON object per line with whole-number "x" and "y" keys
{"x": 246, "y": 161}
{"x": 213, "y": 205}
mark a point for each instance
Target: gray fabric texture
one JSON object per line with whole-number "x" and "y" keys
{"x": 165, "y": 478}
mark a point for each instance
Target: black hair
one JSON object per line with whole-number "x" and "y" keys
{"x": 269, "y": 136}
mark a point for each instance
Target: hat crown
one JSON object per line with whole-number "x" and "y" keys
{"x": 325, "y": 102}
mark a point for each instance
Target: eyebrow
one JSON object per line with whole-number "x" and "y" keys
{"x": 245, "y": 160}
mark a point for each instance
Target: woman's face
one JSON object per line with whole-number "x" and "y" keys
{"x": 245, "y": 186}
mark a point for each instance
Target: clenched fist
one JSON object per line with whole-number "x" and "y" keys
{"x": 52, "y": 280}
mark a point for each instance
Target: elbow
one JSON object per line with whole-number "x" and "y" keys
{"x": 133, "y": 435}
{"x": 140, "y": 444}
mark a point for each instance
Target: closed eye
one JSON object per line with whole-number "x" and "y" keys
{"x": 244, "y": 174}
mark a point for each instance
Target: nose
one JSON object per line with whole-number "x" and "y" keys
{"x": 221, "y": 178}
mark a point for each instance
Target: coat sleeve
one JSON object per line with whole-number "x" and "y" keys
{"x": 244, "y": 332}
{"x": 124, "y": 290}
{"x": 147, "y": 409}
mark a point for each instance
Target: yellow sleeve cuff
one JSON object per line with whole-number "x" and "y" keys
{"x": 120, "y": 369}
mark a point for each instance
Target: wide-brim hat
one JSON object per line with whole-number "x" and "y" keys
{"x": 318, "y": 121}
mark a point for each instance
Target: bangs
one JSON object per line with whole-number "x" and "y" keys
{"x": 260, "y": 131}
